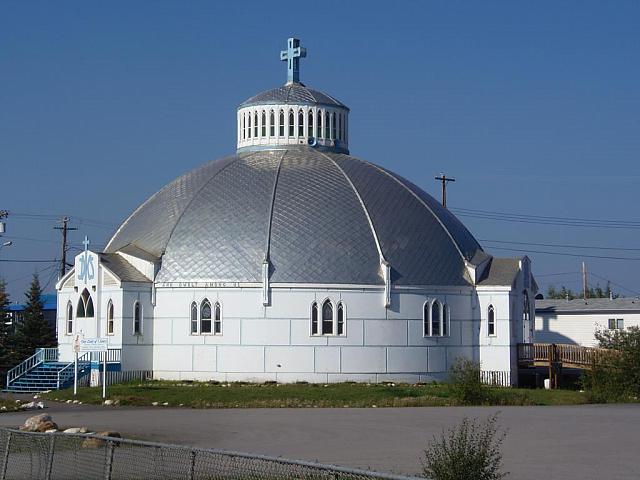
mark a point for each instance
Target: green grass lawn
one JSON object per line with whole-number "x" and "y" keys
{"x": 241, "y": 395}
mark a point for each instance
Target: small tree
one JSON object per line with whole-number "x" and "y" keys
{"x": 6, "y": 337}
{"x": 33, "y": 332}
{"x": 616, "y": 375}
{"x": 469, "y": 451}
{"x": 466, "y": 383}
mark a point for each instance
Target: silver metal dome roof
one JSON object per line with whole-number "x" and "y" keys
{"x": 294, "y": 94}
{"x": 318, "y": 217}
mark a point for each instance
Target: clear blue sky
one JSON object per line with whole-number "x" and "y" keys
{"x": 534, "y": 108}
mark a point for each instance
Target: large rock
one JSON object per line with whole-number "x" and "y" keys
{"x": 94, "y": 442}
{"x": 39, "y": 423}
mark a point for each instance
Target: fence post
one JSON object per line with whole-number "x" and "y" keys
{"x": 5, "y": 458}
{"x": 52, "y": 442}
{"x": 192, "y": 464}
{"x": 108, "y": 460}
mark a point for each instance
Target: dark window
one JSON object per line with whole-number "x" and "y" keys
{"x": 217, "y": 319}
{"x": 110, "y": 318}
{"x": 264, "y": 124}
{"x": 291, "y": 123}
{"x": 69, "y": 318}
{"x": 327, "y": 126}
{"x": 491, "y": 321}
{"x": 319, "y": 117}
{"x": 425, "y": 320}
{"x": 339, "y": 126}
{"x": 272, "y": 124}
{"x": 445, "y": 320}
{"x": 301, "y": 123}
{"x": 137, "y": 319}
{"x": 255, "y": 124}
{"x": 85, "y": 305}
{"x": 333, "y": 126}
{"x": 327, "y": 318}
{"x": 281, "y": 127}
{"x": 205, "y": 317}
{"x": 244, "y": 126}
{"x": 310, "y": 124}
{"x": 435, "y": 319}
{"x": 249, "y": 127}
{"x": 340, "y": 319}
{"x": 194, "y": 318}
{"x": 314, "y": 318}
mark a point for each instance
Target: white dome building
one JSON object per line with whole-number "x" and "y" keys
{"x": 293, "y": 261}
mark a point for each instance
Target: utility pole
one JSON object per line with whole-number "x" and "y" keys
{"x": 65, "y": 228}
{"x": 584, "y": 281}
{"x": 3, "y": 214}
{"x": 444, "y": 179}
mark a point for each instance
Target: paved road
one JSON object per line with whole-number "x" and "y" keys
{"x": 585, "y": 442}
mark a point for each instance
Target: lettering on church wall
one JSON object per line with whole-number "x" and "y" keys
{"x": 200, "y": 285}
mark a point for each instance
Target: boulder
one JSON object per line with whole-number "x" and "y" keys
{"x": 38, "y": 423}
{"x": 76, "y": 430}
{"x": 94, "y": 442}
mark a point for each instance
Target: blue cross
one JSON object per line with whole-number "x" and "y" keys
{"x": 292, "y": 56}
{"x": 86, "y": 243}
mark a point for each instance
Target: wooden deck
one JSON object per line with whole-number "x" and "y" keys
{"x": 569, "y": 356}
{"x": 556, "y": 356}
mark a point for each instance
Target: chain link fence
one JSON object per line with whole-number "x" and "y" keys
{"x": 49, "y": 456}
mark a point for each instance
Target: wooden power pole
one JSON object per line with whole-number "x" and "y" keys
{"x": 585, "y": 291}
{"x": 65, "y": 228}
{"x": 444, "y": 179}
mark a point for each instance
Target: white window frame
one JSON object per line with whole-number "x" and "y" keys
{"x": 334, "y": 309}
{"x": 197, "y": 319}
{"x": 200, "y": 316}
{"x": 492, "y": 309}
{"x": 112, "y": 320}
{"x": 140, "y": 321}
{"x": 427, "y": 315}
{"x": 68, "y": 319}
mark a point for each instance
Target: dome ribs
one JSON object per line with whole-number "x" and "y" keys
{"x": 413, "y": 240}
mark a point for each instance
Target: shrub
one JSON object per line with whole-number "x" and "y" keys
{"x": 616, "y": 375}
{"x": 469, "y": 451}
{"x": 466, "y": 385}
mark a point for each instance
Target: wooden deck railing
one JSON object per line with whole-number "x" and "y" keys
{"x": 541, "y": 354}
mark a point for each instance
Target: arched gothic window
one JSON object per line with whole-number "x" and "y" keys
{"x": 249, "y": 126}
{"x": 425, "y": 319}
{"x": 264, "y": 124}
{"x": 301, "y": 123}
{"x": 255, "y": 124}
{"x": 205, "y": 316}
{"x": 314, "y": 318}
{"x": 291, "y": 123}
{"x": 340, "y": 319}
{"x": 217, "y": 319}
{"x": 327, "y": 318}
{"x": 491, "y": 321}
{"x": 310, "y": 124}
{"x": 339, "y": 126}
{"x": 327, "y": 125}
{"x": 272, "y": 124}
{"x": 319, "y": 122}
{"x": 333, "y": 125}
{"x": 281, "y": 126}
{"x": 436, "y": 317}
{"x": 445, "y": 319}
{"x": 194, "y": 317}
{"x": 85, "y": 305}
{"x": 110, "y": 326}
{"x": 244, "y": 126}
{"x": 69, "y": 319}
{"x": 137, "y": 318}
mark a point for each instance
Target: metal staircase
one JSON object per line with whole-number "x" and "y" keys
{"x": 43, "y": 371}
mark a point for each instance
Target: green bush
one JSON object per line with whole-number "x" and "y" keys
{"x": 470, "y": 451}
{"x": 466, "y": 385}
{"x": 615, "y": 375}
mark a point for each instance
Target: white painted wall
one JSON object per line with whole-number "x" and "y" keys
{"x": 578, "y": 328}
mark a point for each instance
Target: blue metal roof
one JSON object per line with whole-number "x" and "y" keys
{"x": 49, "y": 302}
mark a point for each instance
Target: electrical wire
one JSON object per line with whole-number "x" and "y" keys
{"x": 558, "y": 245}
{"x": 632, "y": 259}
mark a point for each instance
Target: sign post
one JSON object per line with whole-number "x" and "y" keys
{"x": 97, "y": 345}
{"x": 76, "y": 349}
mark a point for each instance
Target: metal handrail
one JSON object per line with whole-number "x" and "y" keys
{"x": 82, "y": 359}
{"x": 41, "y": 355}
{"x": 114, "y": 355}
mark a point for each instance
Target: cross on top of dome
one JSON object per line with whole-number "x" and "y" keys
{"x": 292, "y": 56}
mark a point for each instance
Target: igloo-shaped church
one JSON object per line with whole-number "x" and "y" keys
{"x": 291, "y": 260}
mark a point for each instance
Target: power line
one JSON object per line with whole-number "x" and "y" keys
{"x": 548, "y": 217}
{"x": 614, "y": 283}
{"x": 587, "y": 247}
{"x": 568, "y": 254}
